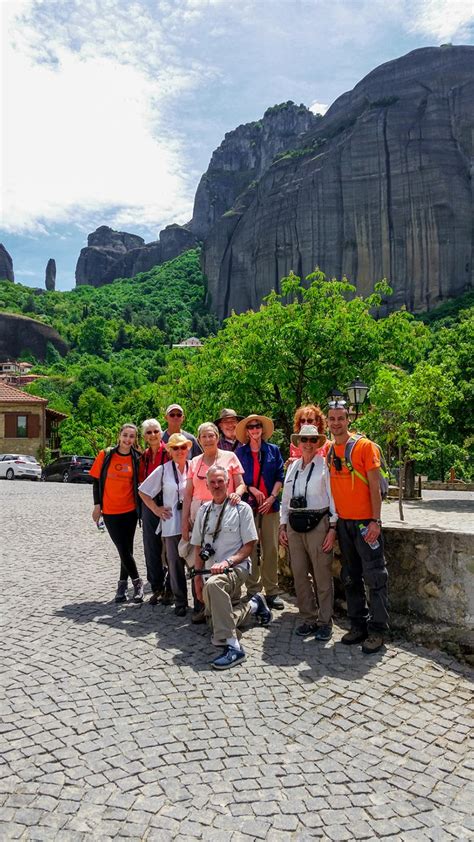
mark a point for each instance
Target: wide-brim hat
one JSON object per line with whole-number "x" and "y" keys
{"x": 228, "y": 413}
{"x": 267, "y": 424}
{"x": 176, "y": 440}
{"x": 186, "y": 550}
{"x": 309, "y": 430}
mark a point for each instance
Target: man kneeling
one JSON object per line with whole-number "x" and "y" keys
{"x": 224, "y": 534}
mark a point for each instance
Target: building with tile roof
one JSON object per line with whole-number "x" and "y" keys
{"x": 26, "y": 423}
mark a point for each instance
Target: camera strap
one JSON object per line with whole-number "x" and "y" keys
{"x": 307, "y": 481}
{"x": 176, "y": 478}
{"x": 218, "y": 524}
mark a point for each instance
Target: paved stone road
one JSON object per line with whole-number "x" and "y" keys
{"x": 113, "y": 726}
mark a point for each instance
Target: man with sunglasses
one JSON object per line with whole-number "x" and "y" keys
{"x": 175, "y": 418}
{"x": 356, "y": 492}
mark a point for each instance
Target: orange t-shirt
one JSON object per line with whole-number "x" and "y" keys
{"x": 351, "y": 495}
{"x": 118, "y": 495}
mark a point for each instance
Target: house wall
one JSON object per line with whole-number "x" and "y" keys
{"x": 29, "y": 446}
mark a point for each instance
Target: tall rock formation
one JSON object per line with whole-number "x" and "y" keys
{"x": 380, "y": 186}
{"x": 20, "y": 333}
{"x": 50, "y": 275}
{"x": 6, "y": 265}
{"x": 104, "y": 247}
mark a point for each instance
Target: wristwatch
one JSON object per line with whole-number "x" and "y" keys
{"x": 376, "y": 520}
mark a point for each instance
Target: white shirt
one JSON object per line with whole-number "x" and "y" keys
{"x": 237, "y": 529}
{"x": 163, "y": 478}
{"x": 318, "y": 493}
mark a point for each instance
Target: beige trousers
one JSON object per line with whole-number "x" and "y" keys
{"x": 312, "y": 573}
{"x": 265, "y": 576}
{"x": 222, "y": 598}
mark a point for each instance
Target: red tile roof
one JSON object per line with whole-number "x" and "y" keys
{"x": 10, "y": 394}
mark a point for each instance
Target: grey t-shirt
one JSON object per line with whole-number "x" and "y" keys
{"x": 195, "y": 450}
{"x": 237, "y": 529}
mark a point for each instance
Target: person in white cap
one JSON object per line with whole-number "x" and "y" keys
{"x": 175, "y": 418}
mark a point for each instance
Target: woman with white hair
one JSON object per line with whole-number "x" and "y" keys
{"x": 154, "y": 455}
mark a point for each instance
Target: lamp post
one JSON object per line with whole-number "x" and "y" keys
{"x": 336, "y": 396}
{"x": 357, "y": 392}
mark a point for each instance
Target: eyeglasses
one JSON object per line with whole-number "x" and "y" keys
{"x": 179, "y": 447}
{"x": 152, "y": 432}
{"x": 312, "y": 439}
{"x": 337, "y": 404}
{"x": 255, "y": 426}
{"x": 175, "y": 414}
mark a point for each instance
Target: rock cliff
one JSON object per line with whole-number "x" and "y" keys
{"x": 380, "y": 186}
{"x": 20, "y": 333}
{"x": 104, "y": 248}
{"x": 6, "y": 265}
{"x": 50, "y": 275}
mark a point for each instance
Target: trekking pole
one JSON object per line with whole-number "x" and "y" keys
{"x": 192, "y": 572}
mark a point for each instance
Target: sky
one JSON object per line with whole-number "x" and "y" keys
{"x": 110, "y": 109}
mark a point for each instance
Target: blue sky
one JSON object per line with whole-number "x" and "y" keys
{"x": 111, "y": 109}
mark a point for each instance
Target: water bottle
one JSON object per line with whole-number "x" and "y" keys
{"x": 363, "y": 531}
{"x": 101, "y": 524}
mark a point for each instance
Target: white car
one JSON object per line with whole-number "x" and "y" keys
{"x": 16, "y": 465}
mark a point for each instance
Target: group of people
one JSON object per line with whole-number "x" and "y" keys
{"x": 216, "y": 507}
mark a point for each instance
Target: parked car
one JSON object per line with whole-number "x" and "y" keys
{"x": 16, "y": 465}
{"x": 68, "y": 469}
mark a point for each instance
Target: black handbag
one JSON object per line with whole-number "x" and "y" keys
{"x": 304, "y": 520}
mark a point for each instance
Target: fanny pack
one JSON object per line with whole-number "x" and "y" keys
{"x": 304, "y": 520}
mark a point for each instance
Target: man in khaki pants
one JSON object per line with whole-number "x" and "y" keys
{"x": 224, "y": 535}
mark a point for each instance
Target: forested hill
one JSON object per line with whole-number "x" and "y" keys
{"x": 153, "y": 309}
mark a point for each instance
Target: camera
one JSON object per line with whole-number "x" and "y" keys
{"x": 298, "y": 503}
{"x": 179, "y": 505}
{"x": 206, "y": 552}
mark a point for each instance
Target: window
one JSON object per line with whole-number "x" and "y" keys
{"x": 21, "y": 426}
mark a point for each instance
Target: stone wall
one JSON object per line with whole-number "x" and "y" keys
{"x": 27, "y": 446}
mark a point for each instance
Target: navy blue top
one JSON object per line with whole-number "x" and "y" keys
{"x": 272, "y": 470}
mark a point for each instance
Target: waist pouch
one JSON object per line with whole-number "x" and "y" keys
{"x": 304, "y": 520}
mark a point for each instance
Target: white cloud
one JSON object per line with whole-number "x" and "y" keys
{"x": 318, "y": 107}
{"x": 440, "y": 19}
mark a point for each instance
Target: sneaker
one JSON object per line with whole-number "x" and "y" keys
{"x": 155, "y": 598}
{"x": 372, "y": 644}
{"x": 229, "y": 658}
{"x": 323, "y": 633}
{"x": 263, "y": 614}
{"x": 275, "y": 602}
{"x": 306, "y": 629}
{"x": 354, "y": 636}
{"x": 180, "y": 610}
{"x": 137, "y": 590}
{"x": 121, "y": 595}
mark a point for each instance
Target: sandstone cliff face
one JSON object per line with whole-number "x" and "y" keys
{"x": 6, "y": 265}
{"x": 20, "y": 333}
{"x": 384, "y": 189}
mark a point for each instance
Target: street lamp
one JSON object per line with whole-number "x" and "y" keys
{"x": 357, "y": 391}
{"x": 336, "y": 396}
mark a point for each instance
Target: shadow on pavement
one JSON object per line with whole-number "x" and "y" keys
{"x": 459, "y": 506}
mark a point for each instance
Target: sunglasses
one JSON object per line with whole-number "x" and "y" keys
{"x": 255, "y": 426}
{"x": 307, "y": 420}
{"x": 175, "y": 414}
{"x": 312, "y": 439}
{"x": 337, "y": 404}
{"x": 153, "y": 432}
{"x": 179, "y": 447}
{"x": 337, "y": 463}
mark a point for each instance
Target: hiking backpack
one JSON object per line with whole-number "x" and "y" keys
{"x": 350, "y": 444}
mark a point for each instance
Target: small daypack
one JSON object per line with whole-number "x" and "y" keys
{"x": 350, "y": 444}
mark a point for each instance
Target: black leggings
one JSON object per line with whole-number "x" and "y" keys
{"x": 121, "y": 529}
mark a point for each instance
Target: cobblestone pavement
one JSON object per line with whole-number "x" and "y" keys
{"x": 451, "y": 511}
{"x": 113, "y": 726}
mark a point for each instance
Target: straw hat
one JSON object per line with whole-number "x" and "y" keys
{"x": 187, "y": 551}
{"x": 311, "y": 431}
{"x": 176, "y": 440}
{"x": 267, "y": 424}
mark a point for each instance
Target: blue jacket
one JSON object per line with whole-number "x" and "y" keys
{"x": 272, "y": 470}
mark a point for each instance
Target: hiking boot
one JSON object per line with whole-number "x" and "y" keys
{"x": 372, "y": 644}
{"x": 275, "y": 602}
{"x": 263, "y": 614}
{"x": 323, "y": 633}
{"x": 155, "y": 598}
{"x": 121, "y": 595}
{"x": 180, "y": 610}
{"x": 306, "y": 629}
{"x": 167, "y": 598}
{"x": 354, "y": 636}
{"x": 198, "y": 616}
{"x": 137, "y": 590}
{"x": 229, "y": 658}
